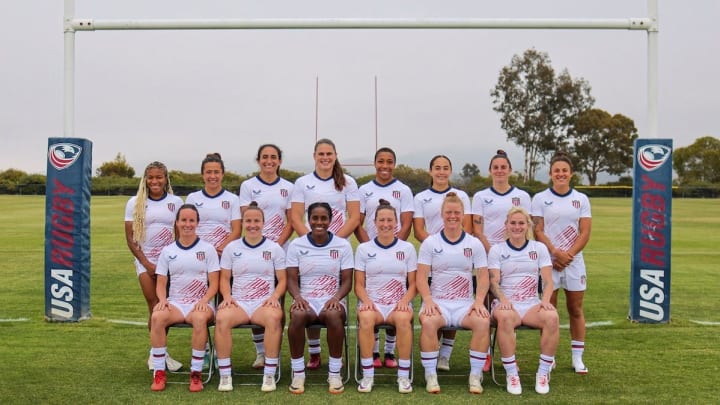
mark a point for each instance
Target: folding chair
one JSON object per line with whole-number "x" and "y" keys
{"x": 346, "y": 353}
{"x": 358, "y": 368}
{"x": 239, "y": 371}
{"x": 211, "y": 366}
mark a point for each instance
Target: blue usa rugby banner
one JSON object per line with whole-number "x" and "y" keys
{"x": 67, "y": 229}
{"x": 652, "y": 220}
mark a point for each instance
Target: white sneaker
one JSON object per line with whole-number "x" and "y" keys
{"x": 579, "y": 366}
{"x": 259, "y": 361}
{"x": 366, "y": 384}
{"x": 172, "y": 364}
{"x": 513, "y": 384}
{"x": 335, "y": 384}
{"x": 542, "y": 383}
{"x": 443, "y": 364}
{"x": 225, "y": 383}
{"x": 268, "y": 384}
{"x": 297, "y": 386}
{"x": 475, "y": 383}
{"x": 404, "y": 385}
{"x": 431, "y": 384}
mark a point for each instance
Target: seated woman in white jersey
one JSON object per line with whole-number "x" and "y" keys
{"x": 385, "y": 287}
{"x": 272, "y": 194}
{"x": 248, "y": 269}
{"x": 427, "y": 220}
{"x": 490, "y": 207}
{"x": 149, "y": 219}
{"x": 514, "y": 267}
{"x": 187, "y": 281}
{"x": 384, "y": 186}
{"x": 327, "y": 183}
{"x": 319, "y": 272}
{"x": 450, "y": 257}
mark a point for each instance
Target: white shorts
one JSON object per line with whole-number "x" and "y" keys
{"x": 317, "y": 304}
{"x": 186, "y": 308}
{"x": 521, "y": 307}
{"x": 573, "y": 278}
{"x": 139, "y": 268}
{"x": 454, "y": 311}
{"x": 385, "y": 310}
{"x": 250, "y": 306}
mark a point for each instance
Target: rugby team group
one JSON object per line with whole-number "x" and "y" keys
{"x": 226, "y": 259}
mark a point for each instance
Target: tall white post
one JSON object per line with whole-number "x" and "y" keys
{"x": 69, "y": 69}
{"x": 652, "y": 70}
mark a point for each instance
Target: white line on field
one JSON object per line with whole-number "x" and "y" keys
{"x": 705, "y": 322}
{"x": 15, "y": 320}
{"x": 590, "y": 324}
{"x": 124, "y": 322}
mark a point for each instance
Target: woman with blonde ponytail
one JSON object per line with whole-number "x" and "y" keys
{"x": 149, "y": 221}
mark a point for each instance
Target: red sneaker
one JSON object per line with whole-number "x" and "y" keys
{"x": 196, "y": 384}
{"x": 377, "y": 363}
{"x": 159, "y": 381}
{"x": 314, "y": 362}
{"x": 390, "y": 361}
{"x": 488, "y": 364}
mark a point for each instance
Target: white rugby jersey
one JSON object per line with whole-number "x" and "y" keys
{"x": 519, "y": 268}
{"x": 561, "y": 216}
{"x": 216, "y": 213}
{"x": 187, "y": 269}
{"x": 319, "y": 266}
{"x": 253, "y": 267}
{"x": 386, "y": 269}
{"x": 272, "y": 198}
{"x": 159, "y": 223}
{"x": 494, "y": 206}
{"x": 310, "y": 189}
{"x": 396, "y": 193}
{"x": 452, "y": 264}
{"x": 428, "y": 204}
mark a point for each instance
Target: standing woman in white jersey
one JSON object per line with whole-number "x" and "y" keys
{"x": 384, "y": 186}
{"x": 450, "y": 257}
{"x": 562, "y": 222}
{"x": 490, "y": 207}
{"x": 219, "y": 208}
{"x": 319, "y": 273}
{"x": 272, "y": 194}
{"x": 327, "y": 183}
{"x": 427, "y": 220}
{"x": 248, "y": 269}
{"x": 385, "y": 287}
{"x": 514, "y": 267}
{"x": 149, "y": 219}
{"x": 187, "y": 281}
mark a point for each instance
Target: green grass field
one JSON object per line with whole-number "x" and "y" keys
{"x": 102, "y": 361}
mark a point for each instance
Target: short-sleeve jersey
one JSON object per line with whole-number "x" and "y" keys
{"x": 310, "y": 189}
{"x": 428, "y": 204}
{"x": 216, "y": 213}
{"x": 451, "y": 264}
{"x": 519, "y": 268}
{"x": 159, "y": 223}
{"x": 561, "y": 216}
{"x": 395, "y": 192}
{"x": 272, "y": 198}
{"x": 187, "y": 269}
{"x": 319, "y": 266}
{"x": 386, "y": 269}
{"x": 493, "y": 208}
{"x": 253, "y": 268}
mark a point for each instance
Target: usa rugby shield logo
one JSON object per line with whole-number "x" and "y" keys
{"x": 533, "y": 255}
{"x": 283, "y": 193}
{"x": 226, "y": 205}
{"x": 267, "y": 255}
{"x": 200, "y": 256}
{"x": 334, "y": 254}
{"x": 516, "y": 201}
{"x": 63, "y": 155}
{"x": 652, "y": 157}
{"x": 396, "y": 194}
{"x": 467, "y": 252}
{"x": 400, "y": 256}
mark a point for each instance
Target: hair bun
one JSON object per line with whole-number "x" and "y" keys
{"x": 501, "y": 152}
{"x": 451, "y": 194}
{"x": 253, "y": 204}
{"x": 213, "y": 155}
{"x": 382, "y": 202}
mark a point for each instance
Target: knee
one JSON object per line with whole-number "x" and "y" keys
{"x": 366, "y": 320}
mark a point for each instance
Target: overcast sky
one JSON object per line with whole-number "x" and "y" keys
{"x": 176, "y": 95}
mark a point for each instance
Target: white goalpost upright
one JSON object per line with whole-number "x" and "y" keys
{"x": 650, "y": 294}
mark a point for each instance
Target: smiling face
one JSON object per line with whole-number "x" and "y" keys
{"x": 269, "y": 161}
{"x": 384, "y": 167}
{"x": 156, "y": 182}
{"x": 253, "y": 222}
{"x": 212, "y": 176}
{"x": 517, "y": 226}
{"x": 440, "y": 171}
{"x": 325, "y": 157}
{"x": 500, "y": 170}
{"x": 319, "y": 220}
{"x": 560, "y": 174}
{"x": 386, "y": 223}
{"x": 452, "y": 215}
{"x": 186, "y": 223}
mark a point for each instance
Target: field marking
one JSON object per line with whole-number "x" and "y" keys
{"x": 125, "y": 322}
{"x": 591, "y": 324}
{"x": 14, "y": 320}
{"x": 705, "y": 322}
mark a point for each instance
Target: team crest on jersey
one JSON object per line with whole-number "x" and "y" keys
{"x": 226, "y": 205}
{"x": 267, "y": 255}
{"x": 533, "y": 255}
{"x": 200, "y": 256}
{"x": 283, "y": 193}
{"x": 396, "y": 194}
{"x": 576, "y": 204}
{"x": 400, "y": 255}
{"x": 652, "y": 157}
{"x": 63, "y": 155}
{"x": 334, "y": 254}
{"x": 171, "y": 207}
{"x": 467, "y": 252}
{"x": 516, "y": 201}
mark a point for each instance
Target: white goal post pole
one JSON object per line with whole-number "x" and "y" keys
{"x": 69, "y": 70}
{"x": 652, "y": 70}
